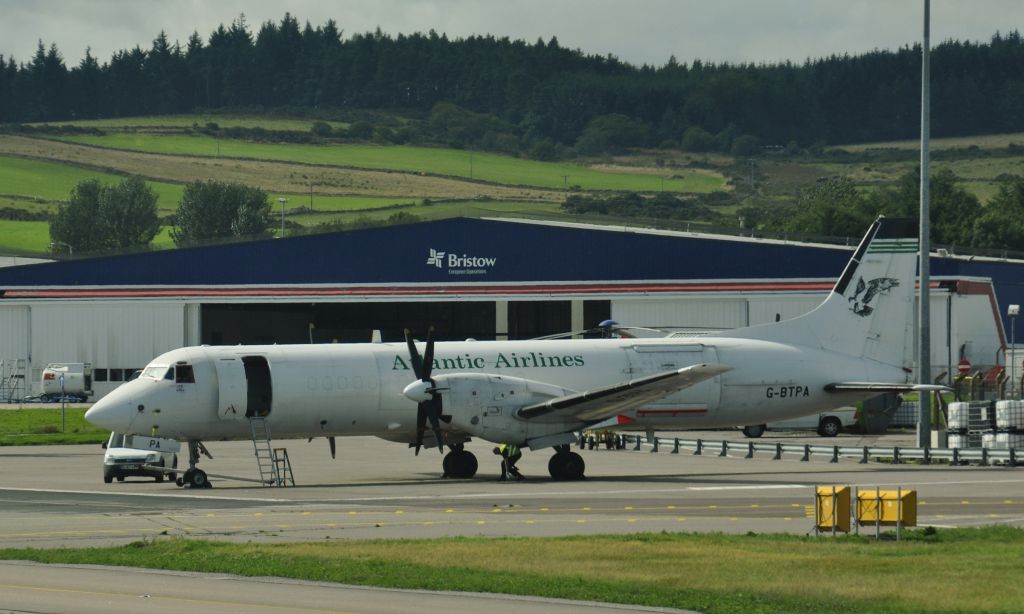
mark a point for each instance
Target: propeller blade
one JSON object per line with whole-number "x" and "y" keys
{"x": 428, "y": 355}
{"x": 414, "y": 355}
{"x": 434, "y": 413}
{"x": 421, "y": 425}
{"x": 333, "y": 444}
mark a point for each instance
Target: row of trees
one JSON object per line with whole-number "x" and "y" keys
{"x": 103, "y": 217}
{"x": 540, "y": 91}
{"x": 835, "y": 207}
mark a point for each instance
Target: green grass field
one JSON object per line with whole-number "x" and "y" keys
{"x": 35, "y": 179}
{"x": 25, "y": 427}
{"x": 449, "y": 162}
{"x": 983, "y": 141}
{"x": 25, "y": 237}
{"x": 965, "y": 570}
{"x": 188, "y": 121}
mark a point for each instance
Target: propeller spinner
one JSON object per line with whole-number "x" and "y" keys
{"x": 424, "y": 391}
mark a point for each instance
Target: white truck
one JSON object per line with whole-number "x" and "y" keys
{"x": 135, "y": 455}
{"x": 827, "y": 424}
{"x": 71, "y": 380}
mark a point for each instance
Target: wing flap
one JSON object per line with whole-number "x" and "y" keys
{"x": 600, "y": 403}
{"x": 882, "y": 387}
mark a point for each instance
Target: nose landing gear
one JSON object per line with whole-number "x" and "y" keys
{"x": 194, "y": 477}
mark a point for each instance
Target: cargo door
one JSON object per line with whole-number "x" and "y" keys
{"x": 696, "y": 401}
{"x": 232, "y": 388}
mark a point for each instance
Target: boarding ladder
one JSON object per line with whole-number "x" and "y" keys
{"x": 274, "y": 466}
{"x": 12, "y": 379}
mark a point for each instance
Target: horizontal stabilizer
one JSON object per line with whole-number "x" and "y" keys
{"x": 879, "y": 387}
{"x": 601, "y": 403}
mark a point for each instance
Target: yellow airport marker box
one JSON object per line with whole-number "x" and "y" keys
{"x": 832, "y": 507}
{"x": 887, "y": 507}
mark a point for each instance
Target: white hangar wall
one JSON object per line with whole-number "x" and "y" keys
{"x": 115, "y": 337}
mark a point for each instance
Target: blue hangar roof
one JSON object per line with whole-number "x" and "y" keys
{"x": 465, "y": 256}
{"x": 455, "y": 250}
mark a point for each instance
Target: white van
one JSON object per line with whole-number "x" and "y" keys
{"x": 827, "y": 424}
{"x": 137, "y": 455}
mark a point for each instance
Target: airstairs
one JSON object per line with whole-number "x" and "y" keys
{"x": 12, "y": 380}
{"x": 274, "y": 466}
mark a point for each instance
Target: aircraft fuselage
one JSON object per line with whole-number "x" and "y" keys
{"x": 356, "y": 389}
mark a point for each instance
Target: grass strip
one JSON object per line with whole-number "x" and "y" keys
{"x": 32, "y": 427}
{"x": 481, "y": 166}
{"x": 948, "y": 570}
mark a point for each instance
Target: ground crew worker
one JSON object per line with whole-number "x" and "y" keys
{"x": 510, "y": 455}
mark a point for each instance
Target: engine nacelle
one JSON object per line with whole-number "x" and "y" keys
{"x": 484, "y": 405}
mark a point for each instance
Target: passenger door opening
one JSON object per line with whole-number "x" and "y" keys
{"x": 259, "y": 389}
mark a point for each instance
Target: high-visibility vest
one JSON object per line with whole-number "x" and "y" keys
{"x": 507, "y": 450}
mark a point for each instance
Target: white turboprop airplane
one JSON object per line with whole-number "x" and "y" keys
{"x": 539, "y": 393}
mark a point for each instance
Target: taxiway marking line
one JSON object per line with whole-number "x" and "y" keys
{"x": 534, "y": 493}
{"x": 135, "y": 596}
{"x": 146, "y": 494}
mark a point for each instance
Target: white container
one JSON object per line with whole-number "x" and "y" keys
{"x": 1005, "y": 441}
{"x": 988, "y": 440}
{"x": 956, "y": 440}
{"x": 958, "y": 416}
{"x": 1010, "y": 414}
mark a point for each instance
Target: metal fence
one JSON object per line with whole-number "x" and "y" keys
{"x": 806, "y": 452}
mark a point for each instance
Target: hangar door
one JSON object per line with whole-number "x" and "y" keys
{"x": 14, "y": 352}
{"x": 14, "y": 331}
{"x": 681, "y": 313}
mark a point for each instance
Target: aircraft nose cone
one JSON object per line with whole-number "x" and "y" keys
{"x": 113, "y": 413}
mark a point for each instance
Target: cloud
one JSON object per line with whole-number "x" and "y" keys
{"x": 646, "y": 31}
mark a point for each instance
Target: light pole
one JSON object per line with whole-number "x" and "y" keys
{"x": 282, "y": 200}
{"x": 71, "y": 250}
{"x": 1012, "y": 311}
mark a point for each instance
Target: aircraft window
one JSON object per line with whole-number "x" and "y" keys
{"x": 183, "y": 375}
{"x": 170, "y": 373}
{"x": 156, "y": 372}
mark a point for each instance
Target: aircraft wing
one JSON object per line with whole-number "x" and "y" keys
{"x": 600, "y": 403}
{"x": 881, "y": 387}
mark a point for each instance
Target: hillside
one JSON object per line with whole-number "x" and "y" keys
{"x": 324, "y": 182}
{"x": 331, "y": 181}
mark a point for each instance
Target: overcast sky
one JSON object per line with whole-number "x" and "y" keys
{"x": 638, "y": 31}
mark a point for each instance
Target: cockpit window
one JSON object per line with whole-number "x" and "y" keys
{"x": 183, "y": 374}
{"x": 158, "y": 372}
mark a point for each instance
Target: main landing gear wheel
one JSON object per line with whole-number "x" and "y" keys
{"x": 460, "y": 464}
{"x": 195, "y": 478}
{"x": 755, "y": 430}
{"x": 566, "y": 465}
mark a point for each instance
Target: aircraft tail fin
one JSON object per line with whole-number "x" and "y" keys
{"x": 870, "y": 311}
